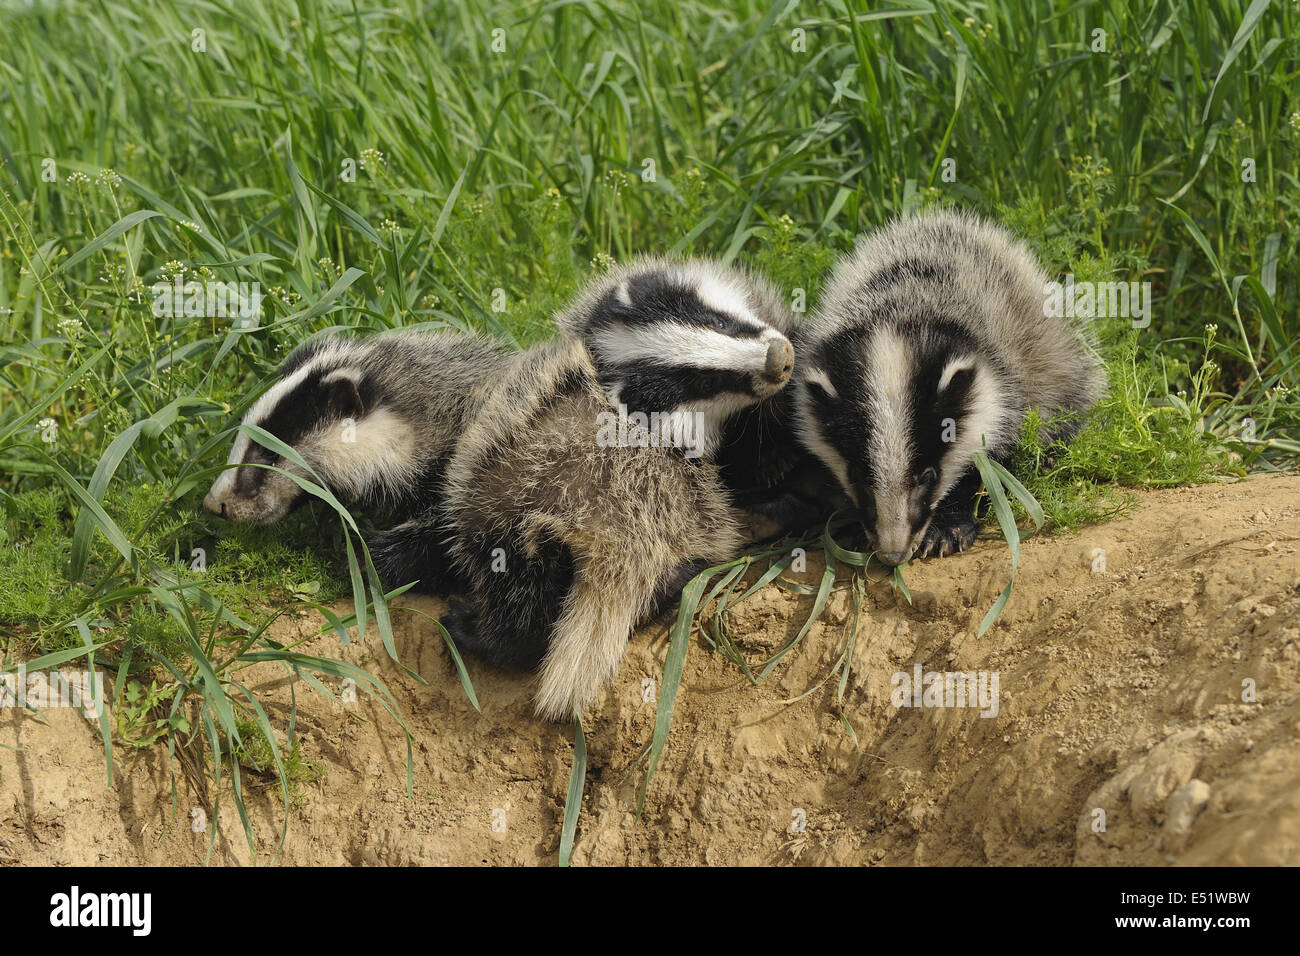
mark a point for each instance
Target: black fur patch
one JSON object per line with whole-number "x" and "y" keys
{"x": 313, "y": 402}
{"x": 901, "y": 270}
{"x": 416, "y": 552}
{"x": 297, "y": 412}
{"x": 512, "y": 612}
{"x": 930, "y": 408}
{"x": 759, "y": 448}
{"x": 654, "y": 387}
{"x": 844, "y": 420}
{"x": 249, "y": 480}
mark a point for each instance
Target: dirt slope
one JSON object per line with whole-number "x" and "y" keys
{"x": 1120, "y": 692}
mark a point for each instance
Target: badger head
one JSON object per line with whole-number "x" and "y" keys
{"x": 897, "y": 411}
{"x": 328, "y": 408}
{"x": 685, "y": 338}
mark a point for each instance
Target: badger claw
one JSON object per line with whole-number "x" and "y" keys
{"x": 941, "y": 541}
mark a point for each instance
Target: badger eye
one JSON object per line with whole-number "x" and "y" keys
{"x": 719, "y": 323}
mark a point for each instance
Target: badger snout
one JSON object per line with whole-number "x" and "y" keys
{"x": 273, "y": 497}
{"x": 892, "y": 523}
{"x": 780, "y": 361}
{"x": 894, "y": 558}
{"x": 212, "y": 501}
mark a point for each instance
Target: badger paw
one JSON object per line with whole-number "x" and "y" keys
{"x": 942, "y": 540}
{"x": 459, "y": 623}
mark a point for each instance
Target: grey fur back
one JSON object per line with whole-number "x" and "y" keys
{"x": 530, "y": 480}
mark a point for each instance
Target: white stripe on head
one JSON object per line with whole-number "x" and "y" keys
{"x": 377, "y": 453}
{"x": 887, "y": 384}
{"x": 723, "y": 296}
{"x": 672, "y": 343}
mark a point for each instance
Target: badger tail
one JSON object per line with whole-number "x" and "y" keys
{"x": 590, "y": 637}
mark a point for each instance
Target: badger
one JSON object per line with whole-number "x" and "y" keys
{"x": 569, "y": 531}
{"x": 377, "y": 419}
{"x": 929, "y": 345}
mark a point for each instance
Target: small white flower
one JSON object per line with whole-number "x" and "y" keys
{"x": 70, "y": 328}
{"x": 108, "y": 180}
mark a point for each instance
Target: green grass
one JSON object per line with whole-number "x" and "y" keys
{"x": 373, "y": 168}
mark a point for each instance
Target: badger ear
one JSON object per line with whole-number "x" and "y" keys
{"x": 956, "y": 378}
{"x": 343, "y": 393}
{"x": 819, "y": 380}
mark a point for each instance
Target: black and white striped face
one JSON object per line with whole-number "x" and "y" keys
{"x": 327, "y": 411}
{"x": 897, "y": 414}
{"x": 686, "y": 343}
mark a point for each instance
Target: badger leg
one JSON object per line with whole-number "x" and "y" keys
{"x": 512, "y": 611}
{"x": 955, "y": 524}
{"x": 804, "y": 499}
{"x": 591, "y": 635}
{"x": 481, "y": 630}
{"x": 412, "y": 551}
